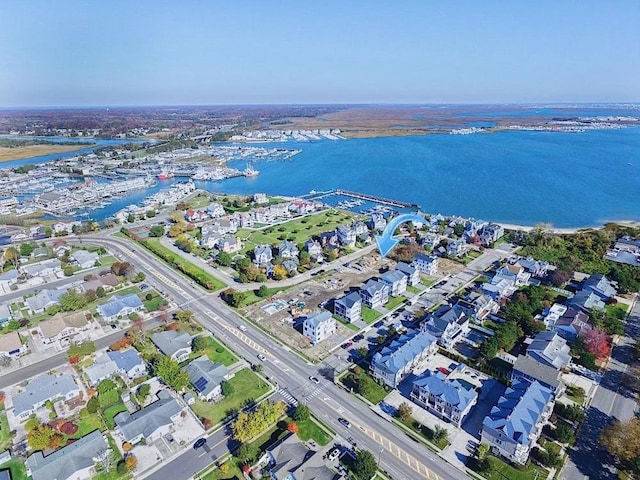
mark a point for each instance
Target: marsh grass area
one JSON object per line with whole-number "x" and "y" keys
{"x": 8, "y": 154}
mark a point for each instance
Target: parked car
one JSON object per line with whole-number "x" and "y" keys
{"x": 334, "y": 454}
{"x": 200, "y": 442}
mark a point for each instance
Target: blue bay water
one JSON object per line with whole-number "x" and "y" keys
{"x": 566, "y": 179}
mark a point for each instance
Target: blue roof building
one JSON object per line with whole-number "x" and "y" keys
{"x": 129, "y": 362}
{"x": 514, "y": 425}
{"x": 447, "y": 399}
{"x": 396, "y": 361}
{"x": 601, "y": 286}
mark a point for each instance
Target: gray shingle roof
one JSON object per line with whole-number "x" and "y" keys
{"x": 103, "y": 367}
{"x": 316, "y": 318}
{"x": 118, "y": 303}
{"x": 451, "y": 391}
{"x": 550, "y": 349}
{"x": 62, "y": 464}
{"x": 518, "y": 410}
{"x": 205, "y": 375}
{"x": 45, "y": 298}
{"x": 372, "y": 286}
{"x": 533, "y": 369}
{"x": 149, "y": 419}
{"x": 169, "y": 342}
{"x": 43, "y": 388}
{"x": 402, "y": 351}
{"x": 405, "y": 268}
{"x": 127, "y": 359}
{"x": 82, "y": 256}
{"x": 392, "y": 276}
{"x": 349, "y": 300}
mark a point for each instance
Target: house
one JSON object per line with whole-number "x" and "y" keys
{"x": 262, "y": 255}
{"x": 396, "y": 281}
{"x": 549, "y": 348}
{"x": 346, "y": 236}
{"x": 44, "y": 299}
{"x": 290, "y": 459}
{"x": 319, "y": 326}
{"x": 5, "y": 314}
{"x": 174, "y": 344}
{"x": 291, "y": 265}
{"x": 529, "y": 369}
{"x": 47, "y": 267}
{"x": 229, "y": 244}
{"x": 215, "y": 210}
{"x": 377, "y": 222}
{"x": 572, "y": 323}
{"x": 120, "y": 306}
{"x": 43, "y": 388}
{"x": 430, "y": 240}
{"x": 449, "y": 324}
{"x": 427, "y": 264}
{"x": 499, "y": 287}
{"x": 102, "y": 368}
{"x": 129, "y": 363}
{"x": 11, "y": 345}
{"x": 552, "y": 314}
{"x": 397, "y": 360}
{"x": 40, "y": 252}
{"x": 348, "y": 307}
{"x": 67, "y": 227}
{"x": 245, "y": 219}
{"x": 151, "y": 422}
{"x": 586, "y": 300}
{"x": 76, "y": 461}
{"x": 412, "y": 273}
{"x": 447, "y": 399}
{"x": 192, "y": 215}
{"x": 457, "y": 248}
{"x": 314, "y": 249}
{"x": 360, "y": 228}
{"x": 514, "y": 425}
{"x": 329, "y": 240}
{"x": 207, "y": 377}
{"x": 210, "y": 240}
{"x": 374, "y": 293}
{"x": 62, "y": 325}
{"x": 601, "y": 286}
{"x": 515, "y": 273}
{"x": 84, "y": 259}
{"x": 478, "y": 306}
{"x": 534, "y": 267}
{"x": 288, "y": 249}
{"x": 107, "y": 282}
{"x": 490, "y": 233}
{"x": 260, "y": 198}
{"x": 8, "y": 278}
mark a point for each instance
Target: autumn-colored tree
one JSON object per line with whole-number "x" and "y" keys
{"x": 250, "y": 424}
{"x": 40, "y": 437}
{"x": 279, "y": 272}
{"x": 131, "y": 462}
{"x": 293, "y": 427}
{"x": 622, "y": 439}
{"x": 404, "y": 411}
{"x": 55, "y": 442}
{"x": 597, "y": 342}
{"x": 225, "y": 468}
{"x": 120, "y": 344}
{"x": 126, "y": 446}
{"x": 2, "y": 397}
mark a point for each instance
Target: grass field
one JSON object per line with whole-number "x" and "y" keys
{"x": 18, "y": 469}
{"x": 247, "y": 386}
{"x": 310, "y": 430}
{"x": 111, "y": 412}
{"x": 252, "y": 297}
{"x": 369, "y": 316}
{"x": 216, "y": 353}
{"x": 394, "y": 302}
{"x": 299, "y": 230}
{"x": 349, "y": 325}
{"x": 499, "y": 470}
{"x": 87, "y": 425}
{"x": 375, "y": 392}
{"x": 5, "y": 431}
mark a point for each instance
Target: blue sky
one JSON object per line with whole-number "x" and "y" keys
{"x": 242, "y": 52}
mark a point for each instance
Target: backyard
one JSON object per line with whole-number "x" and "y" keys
{"x": 499, "y": 470}
{"x": 247, "y": 387}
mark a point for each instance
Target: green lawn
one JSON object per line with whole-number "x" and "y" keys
{"x": 199, "y": 201}
{"x": 177, "y": 261}
{"x": 310, "y": 430}
{"x": 232, "y": 474}
{"x": 216, "y": 353}
{"x": 88, "y": 424}
{"x": 412, "y": 289}
{"x": 253, "y": 298}
{"x": 349, "y": 325}
{"x": 618, "y": 311}
{"x": 374, "y": 392}
{"x": 247, "y": 387}
{"x": 499, "y": 470}
{"x": 107, "y": 260}
{"x": 427, "y": 282}
{"x": 154, "y": 304}
{"x": 394, "y": 302}
{"x": 299, "y": 230}
{"x": 576, "y": 394}
{"x": 5, "y": 431}
{"x": 369, "y": 316}
{"x": 425, "y": 432}
{"x": 18, "y": 469}
{"x": 111, "y": 412}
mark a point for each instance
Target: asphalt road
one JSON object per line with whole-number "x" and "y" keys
{"x": 402, "y": 456}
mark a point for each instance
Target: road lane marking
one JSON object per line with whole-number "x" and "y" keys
{"x": 237, "y": 333}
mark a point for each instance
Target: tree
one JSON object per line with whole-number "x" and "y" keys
{"x": 200, "y": 343}
{"x": 26, "y": 249}
{"x": 184, "y": 315}
{"x": 121, "y": 268}
{"x": 72, "y": 300}
{"x": 150, "y": 213}
{"x": 170, "y": 372}
{"x": 250, "y": 424}
{"x": 40, "y": 437}
{"x": 302, "y": 413}
{"x": 106, "y": 385}
{"x": 263, "y": 291}
{"x": 139, "y": 277}
{"x": 404, "y": 411}
{"x": 32, "y": 423}
{"x": 279, "y": 272}
{"x": 53, "y": 309}
{"x": 622, "y": 439}
{"x": 564, "y": 433}
{"x": 131, "y": 462}
{"x": 143, "y": 392}
{"x": 12, "y": 256}
{"x": 55, "y": 442}
{"x": 440, "y": 434}
{"x": 227, "y": 388}
{"x": 156, "y": 231}
{"x": 293, "y": 427}
{"x": 597, "y": 343}
{"x": 365, "y": 465}
{"x": 224, "y": 259}
{"x": 247, "y": 452}
{"x": 100, "y": 292}
{"x": 130, "y": 218}
{"x": 67, "y": 270}
{"x": 93, "y": 405}
{"x": 90, "y": 296}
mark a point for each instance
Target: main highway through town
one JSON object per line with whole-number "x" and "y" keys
{"x": 401, "y": 456}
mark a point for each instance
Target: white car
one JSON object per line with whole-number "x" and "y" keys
{"x": 262, "y": 357}
{"x": 243, "y": 328}
{"x": 314, "y": 380}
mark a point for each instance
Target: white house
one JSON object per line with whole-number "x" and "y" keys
{"x": 120, "y": 306}
{"x": 84, "y": 259}
{"x": 262, "y": 255}
{"x": 427, "y": 264}
{"x": 348, "y": 307}
{"x": 346, "y": 236}
{"x": 152, "y": 422}
{"x": 43, "y": 388}
{"x": 412, "y": 273}
{"x": 396, "y": 281}
{"x": 374, "y": 293}
{"x": 318, "y": 326}
{"x": 448, "y": 324}
{"x": 129, "y": 363}
{"x": 207, "y": 377}
{"x": 62, "y": 325}
{"x": 174, "y": 344}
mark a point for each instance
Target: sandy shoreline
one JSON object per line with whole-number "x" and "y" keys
{"x": 563, "y": 231}
{"x": 19, "y": 153}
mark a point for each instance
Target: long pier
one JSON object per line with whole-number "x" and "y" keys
{"x": 373, "y": 198}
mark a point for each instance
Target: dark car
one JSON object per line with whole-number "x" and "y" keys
{"x": 200, "y": 442}
{"x": 345, "y": 422}
{"x": 357, "y": 338}
{"x": 378, "y": 324}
